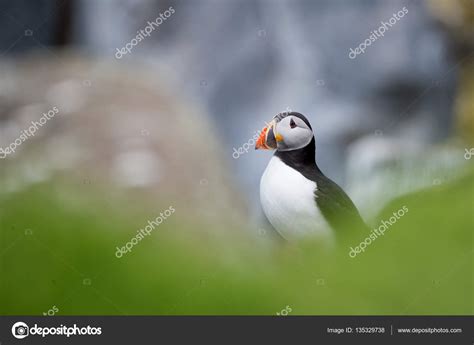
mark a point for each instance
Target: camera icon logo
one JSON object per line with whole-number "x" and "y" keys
{"x": 20, "y": 330}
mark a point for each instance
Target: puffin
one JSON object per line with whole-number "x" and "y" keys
{"x": 298, "y": 200}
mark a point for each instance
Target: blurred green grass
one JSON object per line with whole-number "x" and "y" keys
{"x": 422, "y": 266}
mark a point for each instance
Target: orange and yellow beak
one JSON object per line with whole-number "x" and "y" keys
{"x": 268, "y": 138}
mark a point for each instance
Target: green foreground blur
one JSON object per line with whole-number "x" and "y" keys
{"x": 57, "y": 249}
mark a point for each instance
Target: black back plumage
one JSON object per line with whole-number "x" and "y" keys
{"x": 335, "y": 205}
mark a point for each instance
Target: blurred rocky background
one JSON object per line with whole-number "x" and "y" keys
{"x": 393, "y": 120}
{"x": 117, "y": 130}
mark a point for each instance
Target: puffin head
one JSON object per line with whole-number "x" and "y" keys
{"x": 287, "y": 131}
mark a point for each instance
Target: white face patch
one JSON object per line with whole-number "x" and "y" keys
{"x": 294, "y": 132}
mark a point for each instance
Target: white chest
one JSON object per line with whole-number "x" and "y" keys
{"x": 288, "y": 201}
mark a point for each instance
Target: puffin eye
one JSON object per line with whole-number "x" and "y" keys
{"x": 292, "y": 123}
